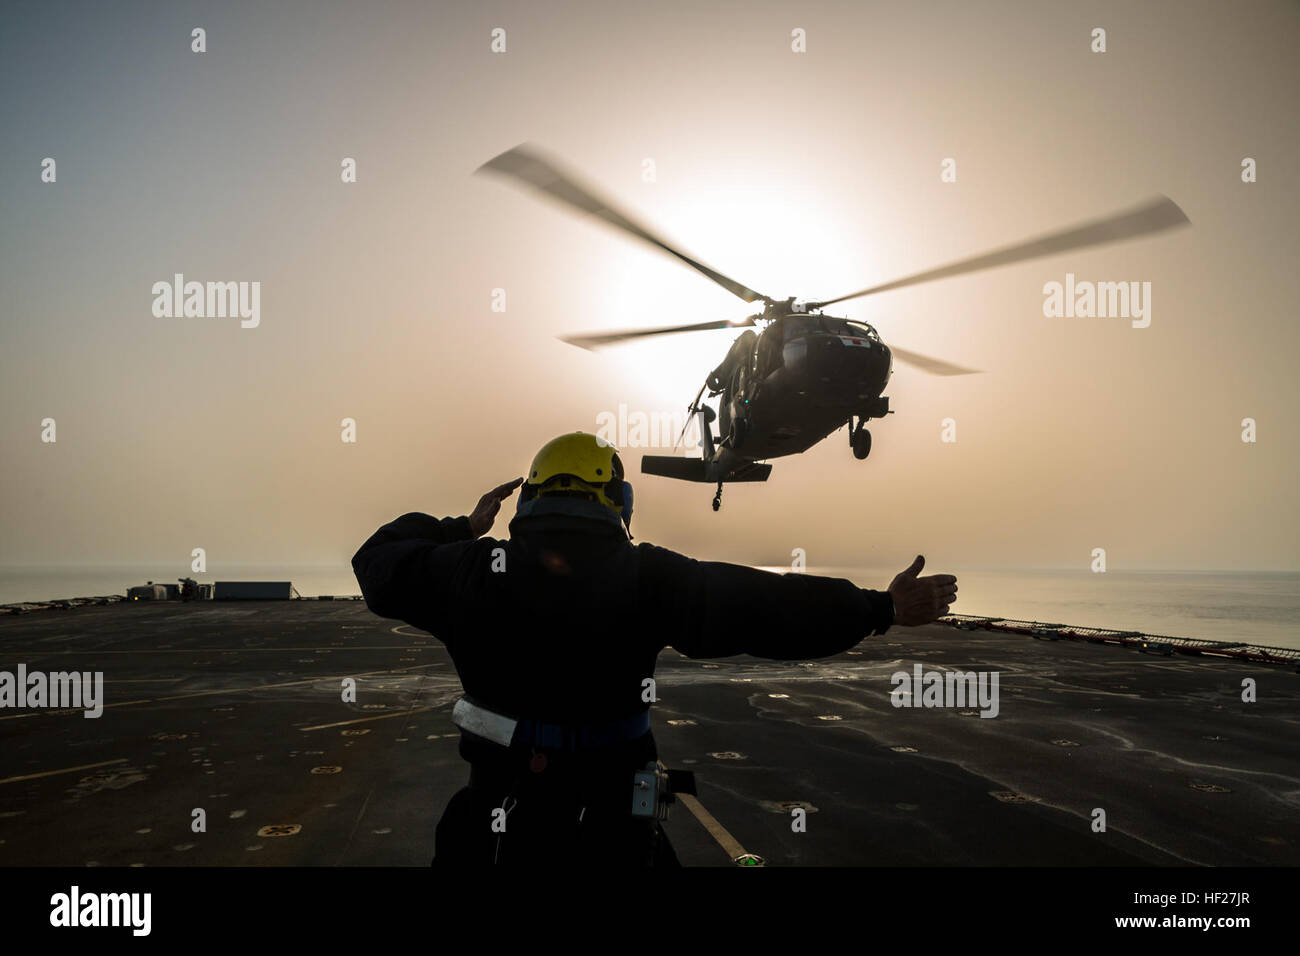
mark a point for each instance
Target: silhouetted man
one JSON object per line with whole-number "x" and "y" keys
{"x": 555, "y": 631}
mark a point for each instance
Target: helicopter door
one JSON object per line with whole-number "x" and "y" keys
{"x": 767, "y": 357}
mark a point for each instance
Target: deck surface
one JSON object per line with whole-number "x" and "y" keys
{"x": 234, "y": 707}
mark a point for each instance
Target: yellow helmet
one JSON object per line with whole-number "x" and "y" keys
{"x": 580, "y": 464}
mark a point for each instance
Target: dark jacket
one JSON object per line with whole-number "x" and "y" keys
{"x": 563, "y": 622}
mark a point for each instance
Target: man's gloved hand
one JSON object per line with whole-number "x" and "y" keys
{"x": 480, "y": 520}
{"x": 921, "y": 600}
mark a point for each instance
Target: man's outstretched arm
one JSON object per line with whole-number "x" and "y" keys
{"x": 712, "y": 609}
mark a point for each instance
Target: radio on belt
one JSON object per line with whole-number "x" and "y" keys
{"x": 650, "y": 794}
{"x": 654, "y": 787}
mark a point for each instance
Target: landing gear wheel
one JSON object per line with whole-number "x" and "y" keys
{"x": 861, "y": 443}
{"x": 717, "y": 498}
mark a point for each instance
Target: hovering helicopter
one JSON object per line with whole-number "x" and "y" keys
{"x": 807, "y": 373}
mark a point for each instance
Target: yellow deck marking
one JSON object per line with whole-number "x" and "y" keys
{"x": 51, "y": 773}
{"x": 716, "y": 829}
{"x": 40, "y": 652}
{"x": 63, "y": 711}
{"x": 242, "y": 690}
{"x": 291, "y": 683}
{"x": 146, "y": 680}
{"x": 362, "y": 720}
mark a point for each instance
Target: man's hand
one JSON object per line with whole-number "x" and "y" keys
{"x": 921, "y": 600}
{"x": 480, "y": 520}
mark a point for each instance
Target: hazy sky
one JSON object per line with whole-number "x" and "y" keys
{"x": 809, "y": 174}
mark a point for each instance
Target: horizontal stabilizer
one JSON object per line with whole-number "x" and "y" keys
{"x": 697, "y": 469}
{"x": 751, "y": 471}
{"x": 670, "y": 466}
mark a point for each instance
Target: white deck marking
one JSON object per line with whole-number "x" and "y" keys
{"x": 227, "y": 690}
{"x": 51, "y": 773}
{"x": 362, "y": 720}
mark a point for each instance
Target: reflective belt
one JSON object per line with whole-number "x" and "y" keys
{"x": 483, "y": 723}
{"x": 507, "y": 731}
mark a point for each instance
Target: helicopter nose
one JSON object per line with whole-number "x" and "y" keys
{"x": 863, "y": 365}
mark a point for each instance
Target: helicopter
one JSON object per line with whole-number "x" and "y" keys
{"x": 807, "y": 373}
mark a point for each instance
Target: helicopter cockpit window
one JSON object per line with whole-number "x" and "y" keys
{"x": 795, "y": 327}
{"x": 861, "y": 328}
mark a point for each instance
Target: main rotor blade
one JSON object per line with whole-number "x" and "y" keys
{"x": 1153, "y": 216}
{"x": 531, "y": 169}
{"x": 596, "y": 340}
{"x": 932, "y": 365}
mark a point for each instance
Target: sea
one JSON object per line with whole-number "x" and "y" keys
{"x": 1259, "y": 607}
